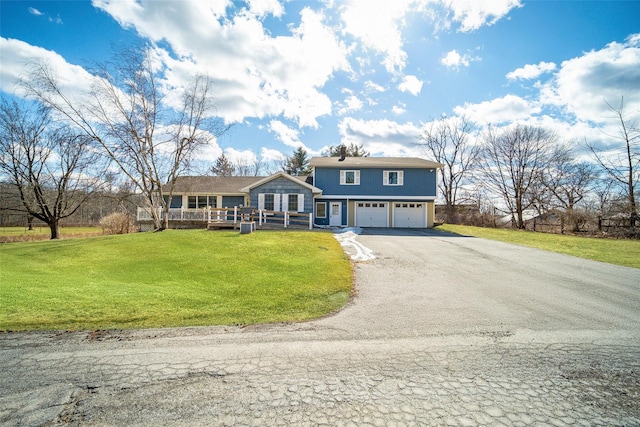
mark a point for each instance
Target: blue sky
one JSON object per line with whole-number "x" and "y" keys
{"x": 321, "y": 73}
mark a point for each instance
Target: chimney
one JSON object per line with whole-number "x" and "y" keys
{"x": 343, "y": 153}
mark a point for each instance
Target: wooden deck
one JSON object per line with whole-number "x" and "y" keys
{"x": 229, "y": 218}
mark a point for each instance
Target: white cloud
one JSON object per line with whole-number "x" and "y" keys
{"x": 376, "y": 26}
{"x": 34, "y": 11}
{"x": 351, "y": 104}
{"x": 398, "y": 110}
{"x": 262, "y": 8}
{"x": 381, "y": 137}
{"x": 262, "y": 75}
{"x": 510, "y": 108}
{"x": 531, "y": 71}
{"x": 271, "y": 155}
{"x": 18, "y": 57}
{"x": 411, "y": 84}
{"x": 371, "y": 86}
{"x": 243, "y": 157}
{"x": 289, "y": 137}
{"x": 582, "y": 84}
{"x": 454, "y": 60}
{"x": 473, "y": 14}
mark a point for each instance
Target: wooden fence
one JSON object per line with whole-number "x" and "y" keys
{"x": 230, "y": 217}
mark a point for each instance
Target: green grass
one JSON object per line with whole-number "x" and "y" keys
{"x": 19, "y": 234}
{"x": 624, "y": 252}
{"x": 172, "y": 278}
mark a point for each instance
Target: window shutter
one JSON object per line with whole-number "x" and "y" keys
{"x": 300, "y": 202}
{"x": 385, "y": 178}
{"x": 276, "y": 202}
{"x": 261, "y": 201}
{"x": 357, "y": 178}
{"x": 343, "y": 177}
{"x": 400, "y": 177}
{"x": 285, "y": 202}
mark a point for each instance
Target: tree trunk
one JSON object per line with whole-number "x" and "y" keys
{"x": 450, "y": 213}
{"x": 55, "y": 229}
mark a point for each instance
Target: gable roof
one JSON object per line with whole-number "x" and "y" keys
{"x": 300, "y": 180}
{"x": 213, "y": 184}
{"x": 373, "y": 162}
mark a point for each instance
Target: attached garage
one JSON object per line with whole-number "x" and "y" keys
{"x": 409, "y": 215}
{"x": 372, "y": 214}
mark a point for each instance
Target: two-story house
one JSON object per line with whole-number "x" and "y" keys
{"x": 340, "y": 192}
{"x": 375, "y": 191}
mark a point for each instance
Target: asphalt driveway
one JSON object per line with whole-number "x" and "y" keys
{"x": 443, "y": 331}
{"x": 426, "y": 282}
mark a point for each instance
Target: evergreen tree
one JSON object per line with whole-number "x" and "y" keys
{"x": 298, "y": 163}
{"x": 352, "y": 150}
{"x": 223, "y": 167}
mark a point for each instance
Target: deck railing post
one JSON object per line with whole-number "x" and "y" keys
{"x": 310, "y": 221}
{"x": 235, "y": 214}
{"x": 286, "y": 218}
{"x": 260, "y": 217}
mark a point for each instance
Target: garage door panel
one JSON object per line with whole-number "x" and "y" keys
{"x": 372, "y": 214}
{"x": 409, "y": 215}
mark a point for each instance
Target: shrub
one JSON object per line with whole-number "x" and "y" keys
{"x": 116, "y": 223}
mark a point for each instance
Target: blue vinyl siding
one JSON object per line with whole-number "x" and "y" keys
{"x": 325, "y": 221}
{"x": 417, "y": 182}
{"x": 282, "y": 186}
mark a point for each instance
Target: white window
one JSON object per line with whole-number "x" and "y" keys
{"x": 321, "y": 209}
{"x": 292, "y": 203}
{"x": 393, "y": 178}
{"x": 350, "y": 177}
{"x": 269, "y": 201}
{"x": 201, "y": 202}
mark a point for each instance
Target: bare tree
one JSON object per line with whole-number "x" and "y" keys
{"x": 248, "y": 168}
{"x": 512, "y": 162}
{"x": 447, "y": 141}
{"x": 623, "y": 168}
{"x": 149, "y": 137}
{"x": 568, "y": 182}
{"x": 49, "y": 168}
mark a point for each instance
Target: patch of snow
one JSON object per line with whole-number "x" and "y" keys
{"x": 347, "y": 238}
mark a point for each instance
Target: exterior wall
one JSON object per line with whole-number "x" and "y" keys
{"x": 282, "y": 186}
{"x": 431, "y": 214}
{"x": 417, "y": 183}
{"x": 351, "y": 214}
{"x": 325, "y": 221}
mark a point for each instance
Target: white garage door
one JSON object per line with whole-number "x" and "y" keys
{"x": 371, "y": 214}
{"x": 409, "y": 215}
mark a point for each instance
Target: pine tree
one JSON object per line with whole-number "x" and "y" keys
{"x": 352, "y": 150}
{"x": 298, "y": 163}
{"x": 223, "y": 167}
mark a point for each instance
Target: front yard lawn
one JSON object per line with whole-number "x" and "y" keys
{"x": 172, "y": 278}
{"x": 614, "y": 251}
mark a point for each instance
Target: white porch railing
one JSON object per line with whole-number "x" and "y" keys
{"x": 232, "y": 215}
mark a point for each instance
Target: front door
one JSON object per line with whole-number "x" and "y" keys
{"x": 335, "y": 214}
